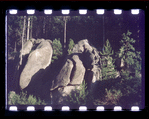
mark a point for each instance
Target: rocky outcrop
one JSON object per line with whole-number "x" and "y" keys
{"x": 38, "y": 59}
{"x": 63, "y": 78}
{"x": 78, "y": 71}
{"x": 39, "y": 78}
{"x": 27, "y": 47}
{"x": 91, "y": 61}
{"x": 83, "y": 65}
{"x": 70, "y": 76}
{"x": 20, "y": 63}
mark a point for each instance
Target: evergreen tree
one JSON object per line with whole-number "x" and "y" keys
{"x": 107, "y": 49}
{"x": 130, "y": 56}
{"x": 107, "y": 62}
{"x": 130, "y": 84}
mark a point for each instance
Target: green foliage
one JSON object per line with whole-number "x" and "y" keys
{"x": 130, "y": 56}
{"x": 22, "y": 99}
{"x": 112, "y": 96}
{"x": 125, "y": 74}
{"x": 130, "y": 84}
{"x": 107, "y": 68}
{"x": 71, "y": 45}
{"x": 127, "y": 51}
{"x": 107, "y": 62}
{"x": 79, "y": 96}
{"x": 57, "y": 49}
{"x": 107, "y": 49}
{"x": 131, "y": 90}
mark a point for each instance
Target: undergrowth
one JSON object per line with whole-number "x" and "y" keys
{"x": 23, "y": 99}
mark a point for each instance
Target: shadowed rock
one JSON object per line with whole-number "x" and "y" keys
{"x": 85, "y": 66}
{"x": 78, "y": 71}
{"x": 63, "y": 77}
{"x": 40, "y": 58}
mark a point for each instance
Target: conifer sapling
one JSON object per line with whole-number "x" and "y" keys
{"x": 107, "y": 64}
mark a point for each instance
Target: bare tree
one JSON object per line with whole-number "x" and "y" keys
{"x": 44, "y": 24}
{"x": 65, "y": 20}
{"x": 28, "y": 28}
{"x": 15, "y": 49}
{"x": 31, "y": 27}
{"x": 22, "y": 40}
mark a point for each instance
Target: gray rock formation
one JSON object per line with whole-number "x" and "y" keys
{"x": 90, "y": 58}
{"x": 38, "y": 59}
{"x": 90, "y": 55}
{"x": 63, "y": 78}
{"x": 82, "y": 64}
{"x": 27, "y": 48}
{"x": 85, "y": 66}
{"x": 78, "y": 72}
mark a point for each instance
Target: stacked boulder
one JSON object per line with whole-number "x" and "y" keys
{"x": 82, "y": 64}
{"x": 36, "y": 76}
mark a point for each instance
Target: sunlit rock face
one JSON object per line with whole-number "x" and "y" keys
{"x": 82, "y": 64}
{"x": 38, "y": 59}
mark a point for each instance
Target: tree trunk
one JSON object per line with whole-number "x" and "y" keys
{"x": 15, "y": 49}
{"x": 64, "y": 32}
{"x": 103, "y": 32}
{"x": 22, "y": 40}
{"x": 31, "y": 28}
{"x": 44, "y": 23}
{"x": 28, "y": 28}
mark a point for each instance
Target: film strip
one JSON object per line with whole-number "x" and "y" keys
{"x": 28, "y": 22}
{"x": 67, "y": 11}
{"x": 66, "y": 108}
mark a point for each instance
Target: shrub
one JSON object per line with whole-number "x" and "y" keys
{"x": 57, "y": 49}
{"x": 15, "y": 99}
{"x": 78, "y": 96}
{"x": 71, "y": 45}
{"x": 112, "y": 97}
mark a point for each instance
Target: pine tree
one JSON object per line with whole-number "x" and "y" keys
{"x": 107, "y": 62}
{"x": 107, "y": 49}
{"x": 129, "y": 55}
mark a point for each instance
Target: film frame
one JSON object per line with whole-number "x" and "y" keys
{"x": 67, "y": 12}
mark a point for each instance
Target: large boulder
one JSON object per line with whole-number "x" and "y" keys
{"x": 89, "y": 54}
{"x": 70, "y": 76}
{"x": 20, "y": 63}
{"x": 78, "y": 71}
{"x": 27, "y": 48}
{"x": 63, "y": 77}
{"x": 38, "y": 59}
{"x": 90, "y": 59}
{"x": 81, "y": 46}
{"x": 59, "y": 95}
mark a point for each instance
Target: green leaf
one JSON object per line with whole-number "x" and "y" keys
{"x": 129, "y": 33}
